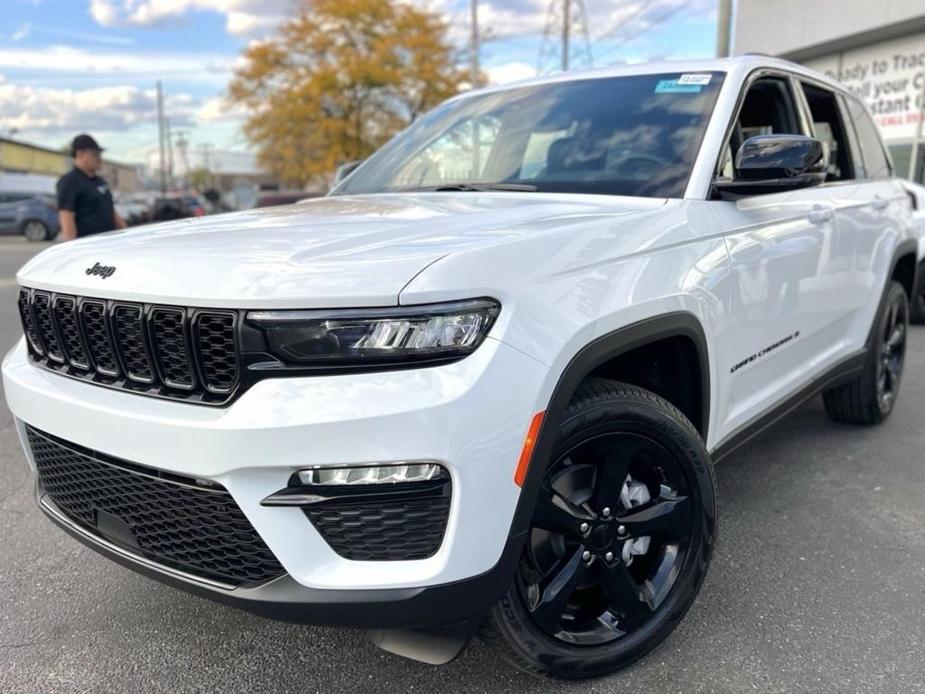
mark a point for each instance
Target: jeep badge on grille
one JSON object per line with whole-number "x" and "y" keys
{"x": 103, "y": 271}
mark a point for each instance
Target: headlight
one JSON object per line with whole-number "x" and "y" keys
{"x": 381, "y": 336}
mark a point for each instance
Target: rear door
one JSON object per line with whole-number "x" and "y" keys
{"x": 877, "y": 216}
{"x": 782, "y": 325}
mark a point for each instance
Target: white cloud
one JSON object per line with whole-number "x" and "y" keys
{"x": 242, "y": 17}
{"x": 22, "y": 32}
{"x": 510, "y": 72}
{"x": 103, "y": 12}
{"x": 59, "y": 61}
{"x": 217, "y": 109}
{"x": 47, "y": 110}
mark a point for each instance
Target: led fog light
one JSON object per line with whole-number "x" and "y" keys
{"x": 387, "y": 512}
{"x": 373, "y": 474}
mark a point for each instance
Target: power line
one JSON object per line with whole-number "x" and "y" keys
{"x": 655, "y": 24}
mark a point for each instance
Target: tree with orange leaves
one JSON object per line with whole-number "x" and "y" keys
{"x": 338, "y": 80}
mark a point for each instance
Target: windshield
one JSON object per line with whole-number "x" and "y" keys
{"x": 635, "y": 135}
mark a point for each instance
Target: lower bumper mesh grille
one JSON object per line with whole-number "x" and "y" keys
{"x": 394, "y": 530}
{"x": 165, "y": 518}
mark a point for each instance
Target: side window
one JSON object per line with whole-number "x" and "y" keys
{"x": 876, "y": 163}
{"x": 830, "y": 129}
{"x": 768, "y": 109}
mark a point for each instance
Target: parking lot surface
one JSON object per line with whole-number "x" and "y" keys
{"x": 817, "y": 585}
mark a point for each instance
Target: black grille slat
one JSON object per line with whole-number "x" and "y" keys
{"x": 96, "y": 334}
{"x": 173, "y": 522}
{"x": 28, "y": 322}
{"x": 41, "y": 307}
{"x": 169, "y": 336}
{"x": 64, "y": 309}
{"x": 215, "y": 346}
{"x": 128, "y": 329}
{"x": 165, "y": 351}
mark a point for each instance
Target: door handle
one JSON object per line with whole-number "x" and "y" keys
{"x": 820, "y": 214}
{"x": 880, "y": 204}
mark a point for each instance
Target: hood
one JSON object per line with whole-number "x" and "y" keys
{"x": 321, "y": 253}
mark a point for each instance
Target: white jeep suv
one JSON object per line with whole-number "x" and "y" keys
{"x": 480, "y": 386}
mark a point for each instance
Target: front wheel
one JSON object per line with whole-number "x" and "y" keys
{"x": 620, "y": 542}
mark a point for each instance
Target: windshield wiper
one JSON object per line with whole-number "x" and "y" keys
{"x": 479, "y": 187}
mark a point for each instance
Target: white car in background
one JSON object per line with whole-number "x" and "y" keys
{"x": 478, "y": 388}
{"x": 917, "y": 193}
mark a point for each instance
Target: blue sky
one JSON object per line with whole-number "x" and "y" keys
{"x": 91, "y": 65}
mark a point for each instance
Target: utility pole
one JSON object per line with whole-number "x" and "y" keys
{"x": 474, "y": 78}
{"x": 566, "y": 30}
{"x": 564, "y": 18}
{"x": 474, "y": 70}
{"x": 169, "y": 140}
{"x": 724, "y": 29}
{"x": 160, "y": 137}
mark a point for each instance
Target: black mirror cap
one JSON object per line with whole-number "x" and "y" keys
{"x": 774, "y": 164}
{"x": 765, "y": 157}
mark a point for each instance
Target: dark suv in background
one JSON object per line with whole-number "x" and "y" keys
{"x": 33, "y": 215}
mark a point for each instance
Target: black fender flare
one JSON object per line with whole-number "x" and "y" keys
{"x": 593, "y": 355}
{"x": 906, "y": 248}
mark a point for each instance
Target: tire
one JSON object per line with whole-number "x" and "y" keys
{"x": 870, "y": 397}
{"x": 35, "y": 231}
{"x": 917, "y": 309}
{"x": 635, "y": 432}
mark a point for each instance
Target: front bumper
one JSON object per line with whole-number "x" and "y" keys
{"x": 471, "y": 416}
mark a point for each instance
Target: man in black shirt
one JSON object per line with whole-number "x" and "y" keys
{"x": 85, "y": 204}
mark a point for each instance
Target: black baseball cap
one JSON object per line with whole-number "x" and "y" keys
{"x": 84, "y": 142}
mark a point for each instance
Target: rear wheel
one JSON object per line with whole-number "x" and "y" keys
{"x": 917, "y": 309}
{"x": 620, "y": 541}
{"x": 870, "y": 398}
{"x": 35, "y": 230}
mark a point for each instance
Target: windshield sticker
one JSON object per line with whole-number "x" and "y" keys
{"x": 675, "y": 87}
{"x": 695, "y": 78}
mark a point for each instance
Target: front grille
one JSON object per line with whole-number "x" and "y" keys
{"x": 394, "y": 530}
{"x": 165, "y": 518}
{"x": 169, "y": 351}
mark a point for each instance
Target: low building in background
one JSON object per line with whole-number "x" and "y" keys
{"x": 876, "y": 49}
{"x": 41, "y": 166}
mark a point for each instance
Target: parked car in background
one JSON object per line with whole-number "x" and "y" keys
{"x": 178, "y": 206}
{"x": 917, "y": 193}
{"x": 34, "y": 216}
{"x": 134, "y": 209}
{"x": 284, "y": 197}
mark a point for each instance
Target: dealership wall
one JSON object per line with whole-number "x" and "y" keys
{"x": 877, "y": 50}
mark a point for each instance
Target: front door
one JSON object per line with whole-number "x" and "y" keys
{"x": 783, "y": 322}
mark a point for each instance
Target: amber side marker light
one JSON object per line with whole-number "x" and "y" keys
{"x": 520, "y": 474}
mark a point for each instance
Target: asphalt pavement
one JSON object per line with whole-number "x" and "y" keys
{"x": 818, "y": 585}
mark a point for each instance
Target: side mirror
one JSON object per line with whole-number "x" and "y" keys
{"x": 774, "y": 164}
{"x": 345, "y": 170}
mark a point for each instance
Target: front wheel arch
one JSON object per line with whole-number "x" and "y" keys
{"x": 591, "y": 357}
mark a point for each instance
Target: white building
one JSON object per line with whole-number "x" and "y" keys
{"x": 877, "y": 49}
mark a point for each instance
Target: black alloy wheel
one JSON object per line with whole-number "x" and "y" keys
{"x": 610, "y": 531}
{"x": 917, "y": 309}
{"x": 892, "y": 355}
{"x": 870, "y": 397}
{"x": 620, "y": 540}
